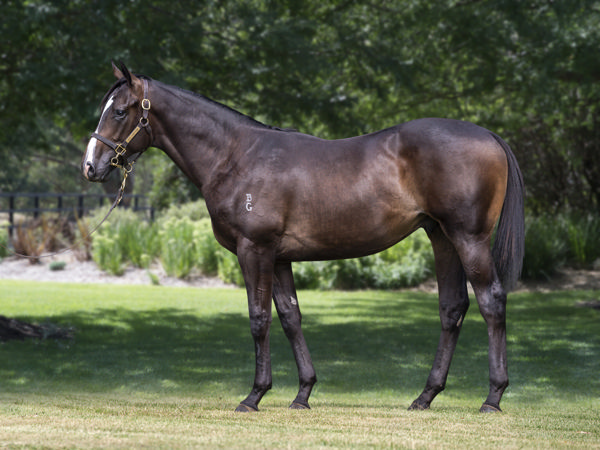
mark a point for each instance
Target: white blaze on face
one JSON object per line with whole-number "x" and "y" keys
{"x": 91, "y": 147}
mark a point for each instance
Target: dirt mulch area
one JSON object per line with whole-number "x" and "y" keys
{"x": 15, "y": 268}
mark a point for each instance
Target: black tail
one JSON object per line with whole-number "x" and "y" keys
{"x": 509, "y": 246}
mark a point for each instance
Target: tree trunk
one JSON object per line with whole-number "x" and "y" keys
{"x": 15, "y": 329}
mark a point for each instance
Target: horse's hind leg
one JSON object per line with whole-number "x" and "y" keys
{"x": 454, "y": 303}
{"x": 491, "y": 298}
{"x": 286, "y": 302}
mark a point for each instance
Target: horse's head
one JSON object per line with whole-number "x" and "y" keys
{"x": 125, "y": 111}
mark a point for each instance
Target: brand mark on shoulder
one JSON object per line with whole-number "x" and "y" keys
{"x": 248, "y": 202}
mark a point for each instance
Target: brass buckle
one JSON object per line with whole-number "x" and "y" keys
{"x": 120, "y": 150}
{"x": 146, "y": 104}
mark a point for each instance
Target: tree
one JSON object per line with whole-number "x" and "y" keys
{"x": 526, "y": 69}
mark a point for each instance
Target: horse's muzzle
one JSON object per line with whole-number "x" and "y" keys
{"x": 92, "y": 173}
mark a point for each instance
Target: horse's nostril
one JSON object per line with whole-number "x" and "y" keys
{"x": 89, "y": 169}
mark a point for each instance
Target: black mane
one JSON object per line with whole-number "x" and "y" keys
{"x": 243, "y": 117}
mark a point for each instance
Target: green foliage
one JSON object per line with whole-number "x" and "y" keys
{"x": 3, "y": 240}
{"x": 207, "y": 247}
{"x": 106, "y": 252}
{"x": 194, "y": 211}
{"x": 545, "y": 247}
{"x": 406, "y": 264}
{"x": 584, "y": 240}
{"x": 552, "y": 242}
{"x": 228, "y": 267}
{"x": 57, "y": 265}
{"x": 178, "y": 250}
{"x": 124, "y": 238}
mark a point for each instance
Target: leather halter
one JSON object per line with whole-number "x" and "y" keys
{"x": 120, "y": 160}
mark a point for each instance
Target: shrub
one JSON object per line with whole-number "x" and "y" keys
{"x": 193, "y": 211}
{"x": 178, "y": 252}
{"x": 57, "y": 265}
{"x": 3, "y": 240}
{"x": 206, "y": 247}
{"x": 83, "y": 239}
{"x": 124, "y": 238}
{"x": 228, "y": 267}
{"x": 106, "y": 252}
{"x": 583, "y": 232}
{"x": 41, "y": 235}
{"x": 545, "y": 247}
{"x": 552, "y": 242}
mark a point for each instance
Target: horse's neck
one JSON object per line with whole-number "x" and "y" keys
{"x": 201, "y": 137}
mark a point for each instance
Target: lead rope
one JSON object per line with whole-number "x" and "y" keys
{"x": 126, "y": 171}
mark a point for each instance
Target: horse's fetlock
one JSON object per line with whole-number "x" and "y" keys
{"x": 452, "y": 321}
{"x": 308, "y": 381}
{"x": 262, "y": 387}
{"x": 499, "y": 385}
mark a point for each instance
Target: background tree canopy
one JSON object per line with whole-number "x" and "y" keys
{"x": 528, "y": 70}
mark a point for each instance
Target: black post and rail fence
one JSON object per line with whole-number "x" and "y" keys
{"x": 16, "y": 206}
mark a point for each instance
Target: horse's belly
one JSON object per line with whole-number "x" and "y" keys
{"x": 351, "y": 238}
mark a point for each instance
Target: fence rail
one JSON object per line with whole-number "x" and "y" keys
{"x": 35, "y": 204}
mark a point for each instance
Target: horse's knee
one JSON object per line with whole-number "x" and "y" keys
{"x": 260, "y": 323}
{"x": 452, "y": 315}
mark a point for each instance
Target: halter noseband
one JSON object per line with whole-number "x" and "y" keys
{"x": 119, "y": 160}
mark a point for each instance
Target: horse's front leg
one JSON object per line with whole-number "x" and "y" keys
{"x": 257, "y": 266}
{"x": 286, "y": 302}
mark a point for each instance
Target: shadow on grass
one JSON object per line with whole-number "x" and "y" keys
{"x": 362, "y": 342}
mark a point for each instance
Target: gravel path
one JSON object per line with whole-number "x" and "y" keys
{"x": 14, "y": 268}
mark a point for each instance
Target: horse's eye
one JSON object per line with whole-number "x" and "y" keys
{"x": 120, "y": 113}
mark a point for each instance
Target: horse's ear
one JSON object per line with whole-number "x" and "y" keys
{"x": 126, "y": 73}
{"x": 132, "y": 81}
{"x": 123, "y": 72}
{"x": 116, "y": 71}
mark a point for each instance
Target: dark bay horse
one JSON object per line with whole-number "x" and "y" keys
{"x": 278, "y": 196}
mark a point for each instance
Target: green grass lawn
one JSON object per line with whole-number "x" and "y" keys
{"x": 165, "y": 367}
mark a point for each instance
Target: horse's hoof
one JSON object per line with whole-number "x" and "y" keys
{"x": 296, "y": 405}
{"x": 487, "y": 408}
{"x": 245, "y": 408}
{"x": 418, "y": 406}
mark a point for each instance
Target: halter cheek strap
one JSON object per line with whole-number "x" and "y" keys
{"x": 119, "y": 160}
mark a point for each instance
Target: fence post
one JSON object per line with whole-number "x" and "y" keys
{"x": 36, "y": 205}
{"x": 11, "y": 214}
{"x": 80, "y": 206}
